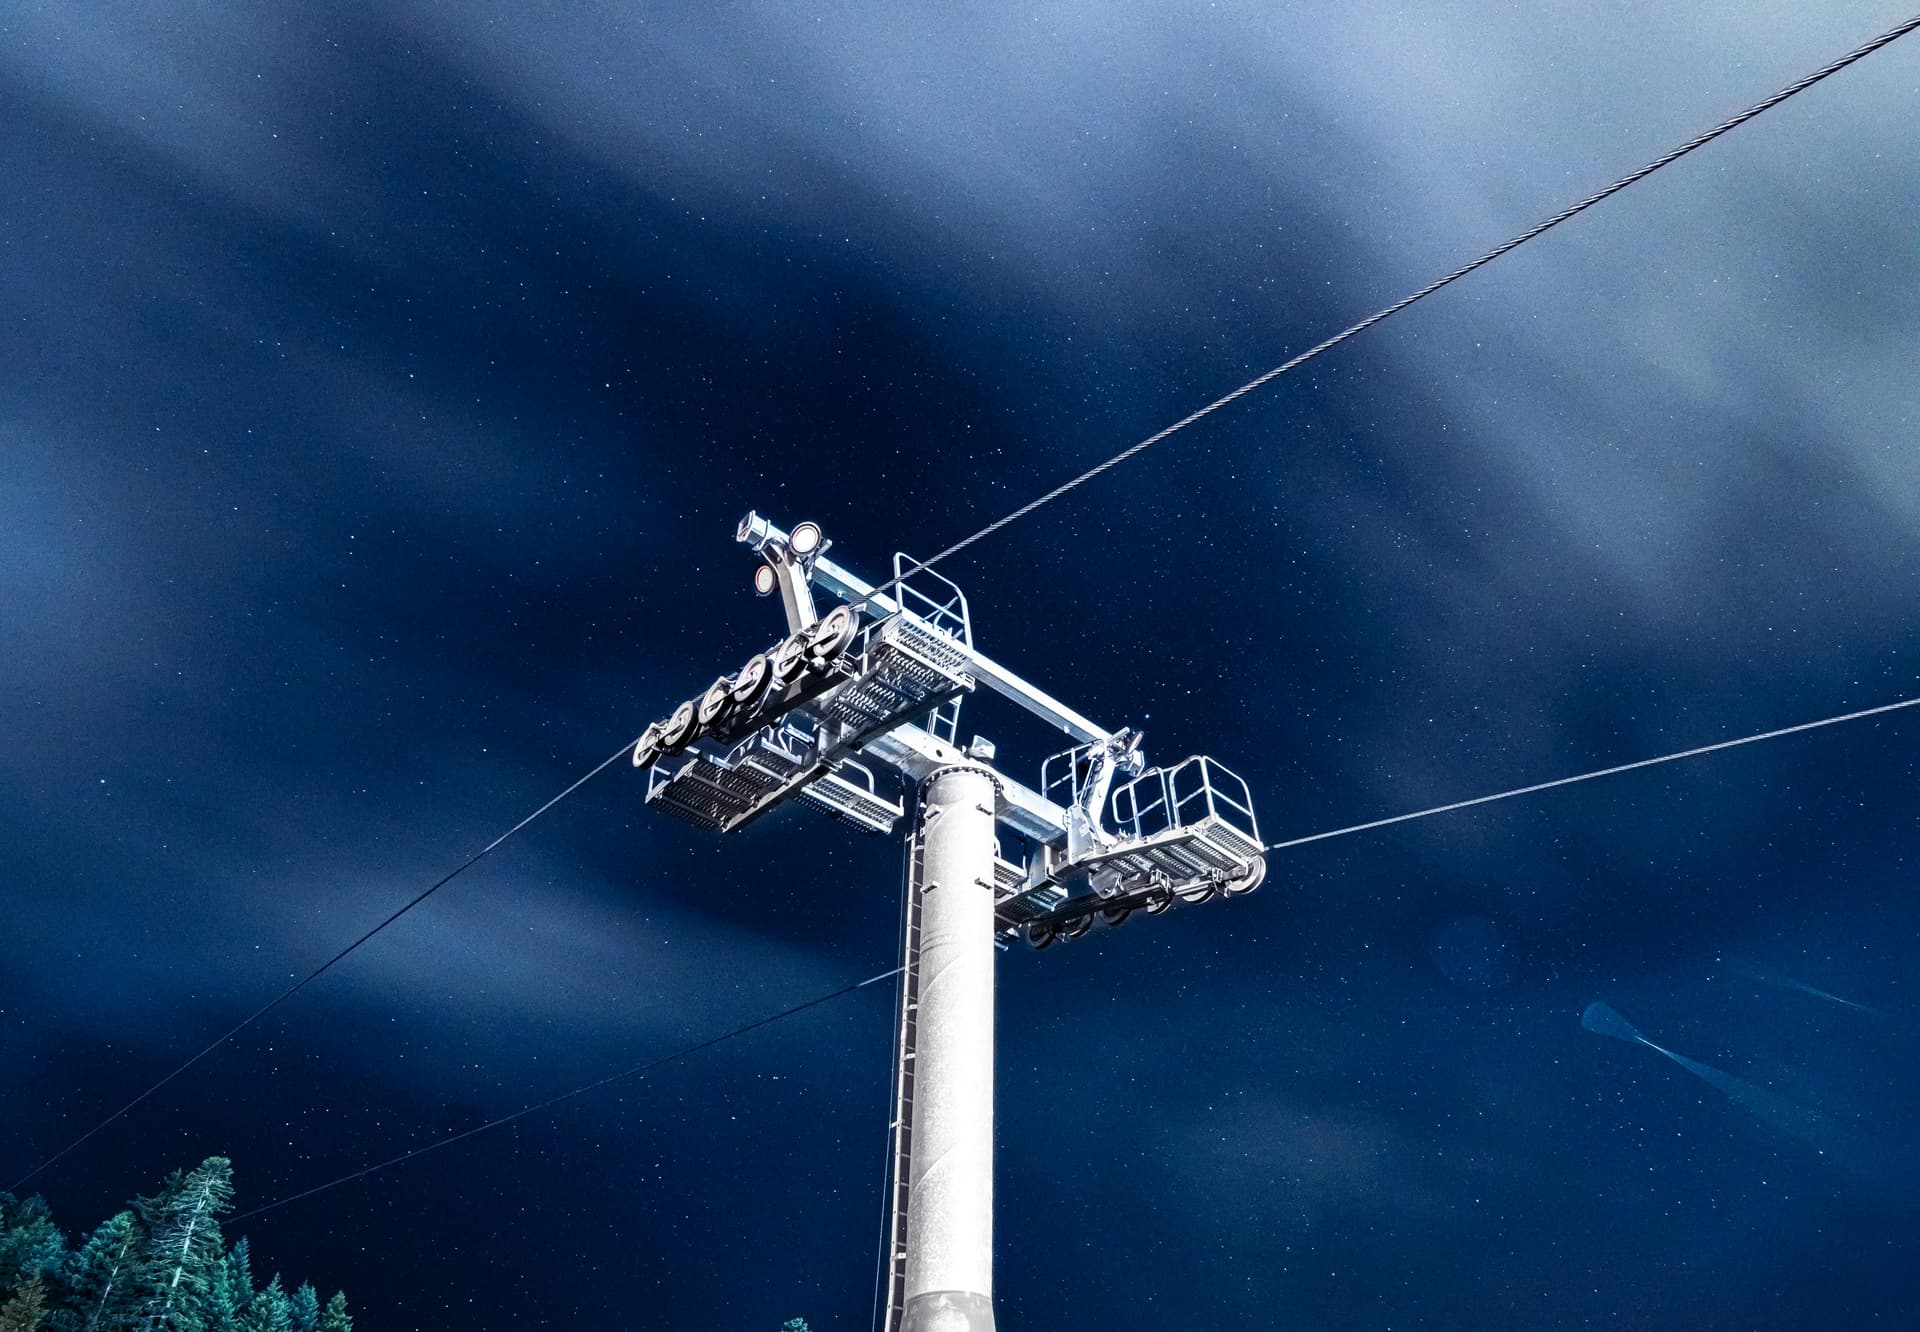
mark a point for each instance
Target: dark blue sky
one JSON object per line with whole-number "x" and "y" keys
{"x": 382, "y": 385}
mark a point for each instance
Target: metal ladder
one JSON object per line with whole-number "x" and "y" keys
{"x": 902, "y": 1126}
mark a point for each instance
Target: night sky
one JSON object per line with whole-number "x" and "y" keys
{"x": 381, "y": 386}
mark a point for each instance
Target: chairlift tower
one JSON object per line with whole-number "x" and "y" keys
{"x": 856, "y": 712}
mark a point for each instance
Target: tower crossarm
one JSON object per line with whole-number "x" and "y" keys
{"x": 867, "y": 694}
{"x": 763, "y": 535}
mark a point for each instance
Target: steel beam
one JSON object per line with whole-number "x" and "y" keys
{"x": 914, "y": 752}
{"x": 843, "y": 582}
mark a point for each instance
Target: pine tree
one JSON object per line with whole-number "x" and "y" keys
{"x": 305, "y": 1307}
{"x": 159, "y": 1266}
{"x": 146, "y": 1210}
{"x": 99, "y": 1277}
{"x": 24, "y": 1311}
{"x": 795, "y": 1325}
{"x": 31, "y": 1246}
{"x": 231, "y": 1290}
{"x": 270, "y": 1311}
{"x": 185, "y": 1248}
{"x": 239, "y": 1269}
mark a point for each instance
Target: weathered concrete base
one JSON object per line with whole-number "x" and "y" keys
{"x": 948, "y": 1311}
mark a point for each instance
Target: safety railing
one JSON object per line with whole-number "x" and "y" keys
{"x": 943, "y": 723}
{"x": 930, "y": 597}
{"x": 857, "y": 775}
{"x": 1061, "y": 775}
{"x": 1191, "y": 792}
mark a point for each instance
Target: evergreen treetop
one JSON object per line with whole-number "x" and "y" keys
{"x": 231, "y": 1293}
{"x": 305, "y": 1307}
{"x": 98, "y": 1283}
{"x": 159, "y": 1266}
{"x": 30, "y": 1244}
{"x": 185, "y": 1250}
{"x": 24, "y": 1309}
{"x": 270, "y": 1311}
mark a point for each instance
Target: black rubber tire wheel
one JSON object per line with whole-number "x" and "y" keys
{"x": 1041, "y": 935}
{"x": 1073, "y": 929}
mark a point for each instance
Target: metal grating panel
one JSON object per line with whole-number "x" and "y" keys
{"x": 1209, "y": 850}
{"x": 697, "y": 792}
{"x": 925, "y": 642}
{"x": 713, "y": 793}
{"x": 1208, "y": 847}
{"x": 1031, "y": 905}
{"x": 1008, "y": 878}
{"x": 851, "y": 802}
{"x": 907, "y": 668}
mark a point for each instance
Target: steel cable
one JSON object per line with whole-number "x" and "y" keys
{"x": 1354, "y": 330}
{"x": 552, "y": 1101}
{"x": 742, "y": 1030}
{"x": 1573, "y": 210}
{"x": 326, "y": 966}
{"x": 1597, "y": 772}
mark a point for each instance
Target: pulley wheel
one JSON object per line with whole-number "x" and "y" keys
{"x": 678, "y": 729}
{"x": 1076, "y": 927}
{"x": 1041, "y": 935}
{"x": 1255, "y": 875}
{"x": 750, "y": 686}
{"x": 647, "y": 748}
{"x": 1159, "y": 902}
{"x": 829, "y": 636}
{"x": 1116, "y": 916}
{"x": 1196, "y": 894}
{"x": 717, "y": 702}
{"x": 788, "y": 660}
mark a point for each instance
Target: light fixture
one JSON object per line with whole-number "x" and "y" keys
{"x": 764, "y": 580}
{"x": 804, "y": 540}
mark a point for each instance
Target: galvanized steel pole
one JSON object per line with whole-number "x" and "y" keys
{"x": 949, "y": 1271}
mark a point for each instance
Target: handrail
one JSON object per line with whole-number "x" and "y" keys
{"x": 1173, "y": 794}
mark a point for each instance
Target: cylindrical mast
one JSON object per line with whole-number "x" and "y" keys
{"x": 949, "y": 1270}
